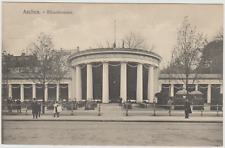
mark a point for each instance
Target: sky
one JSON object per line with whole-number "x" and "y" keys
{"x": 93, "y": 24}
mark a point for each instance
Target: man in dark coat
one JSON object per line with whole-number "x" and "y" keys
{"x": 39, "y": 109}
{"x": 9, "y": 104}
{"x": 18, "y": 106}
{"x": 35, "y": 108}
{"x": 187, "y": 108}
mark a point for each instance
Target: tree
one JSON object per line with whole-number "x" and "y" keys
{"x": 6, "y": 68}
{"x": 131, "y": 40}
{"x": 60, "y": 65}
{"x": 46, "y": 64}
{"x": 134, "y": 40}
{"x": 219, "y": 36}
{"x": 212, "y": 56}
{"x": 186, "y": 55}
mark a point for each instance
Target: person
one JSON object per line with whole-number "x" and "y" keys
{"x": 56, "y": 105}
{"x": 9, "y": 104}
{"x": 39, "y": 109}
{"x": 18, "y": 106}
{"x": 120, "y": 101}
{"x": 34, "y": 106}
{"x": 187, "y": 108}
{"x": 169, "y": 103}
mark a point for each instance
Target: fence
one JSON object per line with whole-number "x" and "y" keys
{"x": 94, "y": 109}
{"x": 67, "y": 109}
{"x": 155, "y": 109}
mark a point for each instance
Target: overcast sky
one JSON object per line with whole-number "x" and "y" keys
{"x": 90, "y": 24}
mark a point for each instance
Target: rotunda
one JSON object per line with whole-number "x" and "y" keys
{"x": 108, "y": 74}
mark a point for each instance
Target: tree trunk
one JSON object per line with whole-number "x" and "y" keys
{"x": 187, "y": 77}
{"x": 43, "y": 106}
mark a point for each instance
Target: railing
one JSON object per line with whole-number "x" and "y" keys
{"x": 155, "y": 109}
{"x": 67, "y": 109}
{"x": 95, "y": 109}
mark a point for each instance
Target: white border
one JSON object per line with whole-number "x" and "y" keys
{"x": 108, "y": 1}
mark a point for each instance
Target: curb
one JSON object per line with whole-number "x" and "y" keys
{"x": 176, "y": 121}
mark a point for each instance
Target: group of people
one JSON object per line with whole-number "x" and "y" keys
{"x": 36, "y": 109}
{"x": 10, "y": 105}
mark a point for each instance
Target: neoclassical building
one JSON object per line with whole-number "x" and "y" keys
{"x": 109, "y": 74}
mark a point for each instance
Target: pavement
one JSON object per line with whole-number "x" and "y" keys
{"x": 114, "y": 113}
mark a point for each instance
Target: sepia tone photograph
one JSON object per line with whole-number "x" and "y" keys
{"x": 112, "y": 74}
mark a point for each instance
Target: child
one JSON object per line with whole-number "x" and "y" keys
{"x": 56, "y": 112}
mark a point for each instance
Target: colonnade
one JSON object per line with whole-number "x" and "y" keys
{"x": 76, "y": 90}
{"x": 209, "y": 86}
{"x": 34, "y": 91}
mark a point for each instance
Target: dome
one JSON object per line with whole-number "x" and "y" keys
{"x": 195, "y": 93}
{"x": 181, "y": 92}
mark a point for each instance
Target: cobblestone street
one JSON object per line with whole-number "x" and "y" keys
{"x": 112, "y": 133}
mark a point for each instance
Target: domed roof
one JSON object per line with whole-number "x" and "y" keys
{"x": 195, "y": 93}
{"x": 181, "y": 92}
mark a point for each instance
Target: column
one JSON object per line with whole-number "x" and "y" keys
{"x": 209, "y": 94}
{"x": 160, "y": 88}
{"x": 221, "y": 88}
{"x": 156, "y": 78}
{"x": 105, "y": 83}
{"x": 172, "y": 90}
{"x": 57, "y": 91}
{"x": 10, "y": 90}
{"x": 139, "y": 94}
{"x": 196, "y": 87}
{"x": 69, "y": 92}
{"x": 33, "y": 91}
{"x": 21, "y": 92}
{"x": 89, "y": 82}
{"x": 123, "y": 82}
{"x": 78, "y": 84}
{"x": 46, "y": 92}
{"x": 151, "y": 84}
{"x": 72, "y": 90}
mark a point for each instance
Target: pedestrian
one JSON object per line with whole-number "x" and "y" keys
{"x": 169, "y": 103}
{"x": 56, "y": 105}
{"x": 187, "y": 108}
{"x": 9, "y": 104}
{"x": 120, "y": 101}
{"x": 34, "y": 106}
{"x": 39, "y": 109}
{"x": 18, "y": 106}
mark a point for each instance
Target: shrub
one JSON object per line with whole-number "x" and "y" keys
{"x": 216, "y": 101}
{"x": 179, "y": 101}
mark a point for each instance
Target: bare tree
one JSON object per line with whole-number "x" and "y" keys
{"x": 134, "y": 40}
{"x": 107, "y": 44}
{"x": 59, "y": 65}
{"x": 46, "y": 65}
{"x": 219, "y": 36}
{"x": 99, "y": 44}
{"x": 186, "y": 55}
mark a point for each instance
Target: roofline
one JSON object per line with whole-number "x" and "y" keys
{"x": 112, "y": 50}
